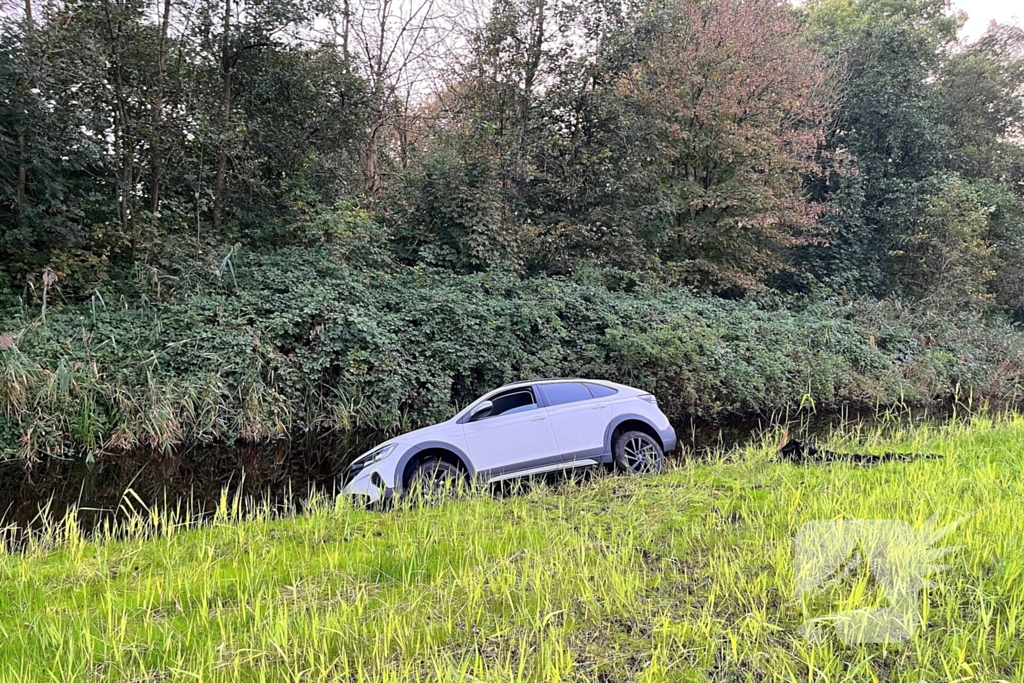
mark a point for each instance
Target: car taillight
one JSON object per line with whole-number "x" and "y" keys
{"x": 650, "y": 398}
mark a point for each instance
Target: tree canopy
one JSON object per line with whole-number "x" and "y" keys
{"x": 721, "y": 145}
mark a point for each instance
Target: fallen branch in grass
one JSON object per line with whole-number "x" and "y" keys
{"x": 807, "y": 452}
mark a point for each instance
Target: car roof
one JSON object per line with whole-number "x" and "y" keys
{"x": 545, "y": 380}
{"x": 554, "y": 380}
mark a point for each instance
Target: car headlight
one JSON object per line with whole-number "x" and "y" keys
{"x": 377, "y": 454}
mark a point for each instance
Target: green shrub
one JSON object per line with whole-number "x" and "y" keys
{"x": 298, "y": 340}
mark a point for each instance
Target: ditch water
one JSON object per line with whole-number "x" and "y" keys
{"x": 282, "y": 472}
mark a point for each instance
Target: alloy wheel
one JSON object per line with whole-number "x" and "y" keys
{"x": 640, "y": 455}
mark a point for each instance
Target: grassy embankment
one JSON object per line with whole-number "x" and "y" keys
{"x": 684, "y": 576}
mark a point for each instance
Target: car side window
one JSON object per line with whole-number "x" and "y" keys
{"x": 517, "y": 401}
{"x": 565, "y": 392}
{"x": 601, "y": 391}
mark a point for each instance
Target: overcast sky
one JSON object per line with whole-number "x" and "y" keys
{"x": 981, "y": 12}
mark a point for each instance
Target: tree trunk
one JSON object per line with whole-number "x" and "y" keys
{"x": 222, "y": 153}
{"x": 368, "y": 161}
{"x": 22, "y": 199}
{"x": 156, "y": 162}
{"x": 22, "y": 171}
{"x": 344, "y": 34}
{"x": 534, "y": 54}
{"x": 122, "y": 135}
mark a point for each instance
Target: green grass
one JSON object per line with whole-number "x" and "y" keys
{"x": 684, "y": 576}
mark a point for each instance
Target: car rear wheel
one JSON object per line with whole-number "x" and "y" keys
{"x": 435, "y": 480}
{"x": 637, "y": 453}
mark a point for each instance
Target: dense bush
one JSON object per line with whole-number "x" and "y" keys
{"x": 299, "y": 341}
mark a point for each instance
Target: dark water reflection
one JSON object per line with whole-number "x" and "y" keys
{"x": 282, "y": 472}
{"x": 192, "y": 479}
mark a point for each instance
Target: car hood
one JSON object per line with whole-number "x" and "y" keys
{"x": 441, "y": 430}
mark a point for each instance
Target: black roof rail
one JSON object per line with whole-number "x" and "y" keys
{"x": 549, "y": 379}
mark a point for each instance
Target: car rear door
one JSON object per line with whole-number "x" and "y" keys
{"x": 519, "y": 437}
{"x": 577, "y": 418}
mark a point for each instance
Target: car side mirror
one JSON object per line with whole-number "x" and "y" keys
{"x": 481, "y": 411}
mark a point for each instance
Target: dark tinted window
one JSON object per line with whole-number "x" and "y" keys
{"x": 515, "y": 402}
{"x": 565, "y": 392}
{"x": 601, "y": 391}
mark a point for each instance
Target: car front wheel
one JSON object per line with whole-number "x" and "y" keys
{"x": 637, "y": 453}
{"x": 434, "y": 480}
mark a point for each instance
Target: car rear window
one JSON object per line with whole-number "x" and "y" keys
{"x": 565, "y": 392}
{"x": 600, "y": 391}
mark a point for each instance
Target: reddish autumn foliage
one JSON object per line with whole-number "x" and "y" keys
{"x": 734, "y": 106}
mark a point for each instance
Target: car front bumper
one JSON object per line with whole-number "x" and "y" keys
{"x": 371, "y": 483}
{"x": 365, "y": 491}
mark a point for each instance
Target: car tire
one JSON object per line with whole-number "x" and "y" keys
{"x": 433, "y": 480}
{"x": 637, "y": 453}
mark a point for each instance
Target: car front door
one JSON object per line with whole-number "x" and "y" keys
{"x": 515, "y": 435}
{"x": 577, "y": 418}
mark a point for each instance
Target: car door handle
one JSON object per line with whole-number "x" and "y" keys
{"x": 538, "y": 418}
{"x": 598, "y": 407}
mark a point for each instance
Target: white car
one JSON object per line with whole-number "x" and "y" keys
{"x": 519, "y": 430}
